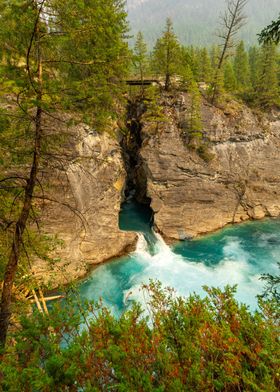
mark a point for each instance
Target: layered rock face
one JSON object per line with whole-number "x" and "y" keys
{"x": 190, "y": 196}
{"x": 82, "y": 204}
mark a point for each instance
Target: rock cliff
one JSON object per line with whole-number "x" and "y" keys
{"x": 189, "y": 194}
{"x": 241, "y": 181}
{"x": 81, "y": 207}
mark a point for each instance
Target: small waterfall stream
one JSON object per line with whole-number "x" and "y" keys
{"x": 235, "y": 255}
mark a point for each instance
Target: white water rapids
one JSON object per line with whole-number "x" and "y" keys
{"x": 233, "y": 256}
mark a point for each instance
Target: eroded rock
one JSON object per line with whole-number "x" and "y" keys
{"x": 82, "y": 209}
{"x": 190, "y": 196}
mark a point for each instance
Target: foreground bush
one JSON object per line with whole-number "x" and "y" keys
{"x": 193, "y": 344}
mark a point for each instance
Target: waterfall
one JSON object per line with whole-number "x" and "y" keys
{"x": 141, "y": 245}
{"x": 161, "y": 245}
{"x": 152, "y": 246}
{"x": 236, "y": 255}
{"x": 187, "y": 276}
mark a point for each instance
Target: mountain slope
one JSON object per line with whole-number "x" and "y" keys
{"x": 195, "y": 22}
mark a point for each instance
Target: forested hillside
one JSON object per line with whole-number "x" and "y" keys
{"x": 191, "y": 135}
{"x": 195, "y": 22}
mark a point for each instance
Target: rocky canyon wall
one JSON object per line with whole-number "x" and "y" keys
{"x": 84, "y": 185}
{"x": 189, "y": 195}
{"x": 240, "y": 181}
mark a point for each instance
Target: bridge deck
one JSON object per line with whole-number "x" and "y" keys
{"x": 144, "y": 82}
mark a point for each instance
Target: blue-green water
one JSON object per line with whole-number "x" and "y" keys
{"x": 235, "y": 255}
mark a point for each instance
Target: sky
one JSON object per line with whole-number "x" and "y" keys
{"x": 196, "y": 21}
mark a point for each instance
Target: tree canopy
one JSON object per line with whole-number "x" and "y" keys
{"x": 194, "y": 344}
{"x": 271, "y": 33}
{"x": 54, "y": 56}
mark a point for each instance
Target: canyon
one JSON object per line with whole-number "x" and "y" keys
{"x": 190, "y": 194}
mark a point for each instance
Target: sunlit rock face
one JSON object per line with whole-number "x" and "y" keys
{"x": 85, "y": 189}
{"x": 84, "y": 182}
{"x": 191, "y": 195}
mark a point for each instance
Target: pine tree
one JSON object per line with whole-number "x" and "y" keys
{"x": 271, "y": 33}
{"x": 267, "y": 85}
{"x": 230, "y": 82}
{"x": 218, "y": 86}
{"x": 55, "y": 56}
{"x": 166, "y": 54}
{"x": 186, "y": 77}
{"x": 194, "y": 61}
{"x": 241, "y": 68}
{"x": 140, "y": 58}
{"x": 93, "y": 53}
{"x": 253, "y": 63}
{"x": 185, "y": 68}
{"x": 215, "y": 54}
{"x": 206, "y": 70}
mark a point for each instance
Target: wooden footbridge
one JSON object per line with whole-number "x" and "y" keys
{"x": 143, "y": 82}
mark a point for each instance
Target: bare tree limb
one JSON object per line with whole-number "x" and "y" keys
{"x": 232, "y": 21}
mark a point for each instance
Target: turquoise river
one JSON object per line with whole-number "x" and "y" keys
{"x": 235, "y": 255}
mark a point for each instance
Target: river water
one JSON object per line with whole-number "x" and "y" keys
{"x": 235, "y": 255}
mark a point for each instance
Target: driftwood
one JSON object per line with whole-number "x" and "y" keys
{"x": 36, "y": 300}
{"x": 46, "y": 299}
{"x": 23, "y": 293}
{"x": 43, "y": 300}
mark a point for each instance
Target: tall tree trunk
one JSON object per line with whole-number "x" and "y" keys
{"x": 167, "y": 73}
{"x": 167, "y": 82}
{"x": 232, "y": 21}
{"x": 11, "y": 268}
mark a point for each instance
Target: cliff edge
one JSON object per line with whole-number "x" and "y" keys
{"x": 237, "y": 179}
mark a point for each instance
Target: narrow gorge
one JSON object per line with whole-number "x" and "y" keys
{"x": 139, "y": 196}
{"x": 152, "y": 163}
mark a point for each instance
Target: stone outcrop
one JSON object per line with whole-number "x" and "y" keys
{"x": 190, "y": 195}
{"x": 81, "y": 207}
{"x": 241, "y": 181}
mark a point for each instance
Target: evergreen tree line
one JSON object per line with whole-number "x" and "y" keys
{"x": 66, "y": 61}
{"x": 252, "y": 75}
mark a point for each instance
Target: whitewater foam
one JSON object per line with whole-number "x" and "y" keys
{"x": 187, "y": 276}
{"x": 236, "y": 256}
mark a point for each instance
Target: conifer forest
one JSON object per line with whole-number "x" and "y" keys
{"x": 139, "y": 195}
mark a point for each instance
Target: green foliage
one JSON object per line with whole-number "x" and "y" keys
{"x": 194, "y": 61}
{"x": 250, "y": 75}
{"x": 271, "y": 33}
{"x": 229, "y": 78}
{"x": 204, "y": 152}
{"x": 218, "y": 87}
{"x": 140, "y": 58}
{"x": 166, "y": 54}
{"x": 154, "y": 110}
{"x": 267, "y": 85}
{"x": 215, "y": 53}
{"x": 253, "y": 62}
{"x": 185, "y": 344}
{"x": 241, "y": 68}
{"x": 272, "y": 288}
{"x": 256, "y": 77}
{"x": 84, "y": 59}
{"x": 205, "y": 69}
{"x": 84, "y": 54}
{"x": 186, "y": 78}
